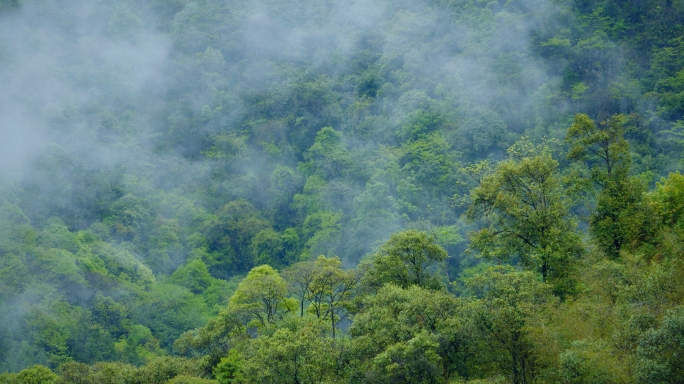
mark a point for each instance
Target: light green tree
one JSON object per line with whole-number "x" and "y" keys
{"x": 261, "y": 297}
{"x": 229, "y": 369}
{"x": 522, "y": 201}
{"x": 299, "y": 277}
{"x": 298, "y": 353}
{"x": 36, "y": 374}
{"x": 413, "y": 335}
{"x": 408, "y": 258}
{"x": 331, "y": 290}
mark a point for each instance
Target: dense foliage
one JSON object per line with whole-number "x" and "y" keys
{"x": 391, "y": 191}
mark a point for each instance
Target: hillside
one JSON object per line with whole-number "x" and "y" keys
{"x": 387, "y": 191}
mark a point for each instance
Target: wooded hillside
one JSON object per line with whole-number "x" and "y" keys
{"x": 341, "y": 191}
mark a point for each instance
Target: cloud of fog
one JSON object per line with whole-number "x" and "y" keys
{"x": 112, "y": 83}
{"x": 62, "y": 64}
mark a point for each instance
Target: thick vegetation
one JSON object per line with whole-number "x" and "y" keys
{"x": 391, "y": 191}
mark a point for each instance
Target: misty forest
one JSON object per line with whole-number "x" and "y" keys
{"x": 341, "y": 191}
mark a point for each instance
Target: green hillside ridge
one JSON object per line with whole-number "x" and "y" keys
{"x": 390, "y": 191}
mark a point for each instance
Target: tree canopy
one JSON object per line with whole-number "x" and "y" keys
{"x": 385, "y": 191}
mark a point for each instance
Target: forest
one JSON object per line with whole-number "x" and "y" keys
{"x": 341, "y": 191}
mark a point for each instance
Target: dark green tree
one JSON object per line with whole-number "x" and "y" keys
{"x": 619, "y": 212}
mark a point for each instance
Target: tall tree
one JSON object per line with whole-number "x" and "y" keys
{"x": 619, "y": 209}
{"x": 522, "y": 200}
{"x": 299, "y": 278}
{"x": 331, "y": 289}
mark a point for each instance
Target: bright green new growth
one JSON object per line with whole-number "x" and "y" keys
{"x": 408, "y": 258}
{"x": 261, "y": 297}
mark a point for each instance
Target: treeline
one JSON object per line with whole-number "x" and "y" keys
{"x": 482, "y": 178}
